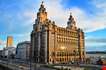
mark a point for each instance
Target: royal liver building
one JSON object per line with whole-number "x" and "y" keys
{"x": 53, "y": 44}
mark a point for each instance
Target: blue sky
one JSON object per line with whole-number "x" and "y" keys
{"x": 17, "y": 18}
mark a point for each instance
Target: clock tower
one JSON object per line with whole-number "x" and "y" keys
{"x": 71, "y": 23}
{"x": 42, "y": 14}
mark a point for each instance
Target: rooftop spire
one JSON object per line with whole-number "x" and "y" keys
{"x": 71, "y": 19}
{"x": 42, "y": 14}
{"x": 42, "y": 9}
{"x": 71, "y": 22}
{"x": 42, "y": 2}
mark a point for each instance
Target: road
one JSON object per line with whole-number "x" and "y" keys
{"x": 21, "y": 65}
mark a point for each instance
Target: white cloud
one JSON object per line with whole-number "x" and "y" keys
{"x": 20, "y": 38}
{"x": 57, "y": 13}
{"x": 87, "y": 22}
{"x": 100, "y": 4}
{"x": 91, "y": 23}
{"x": 28, "y": 17}
{"x": 2, "y": 44}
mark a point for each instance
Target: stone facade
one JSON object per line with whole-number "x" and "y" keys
{"x": 23, "y": 50}
{"x": 53, "y": 44}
